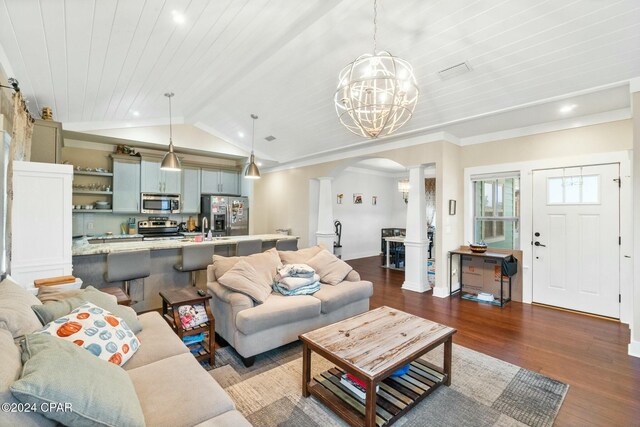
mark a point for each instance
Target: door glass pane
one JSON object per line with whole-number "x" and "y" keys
{"x": 590, "y": 187}
{"x": 572, "y": 186}
{"x": 554, "y": 191}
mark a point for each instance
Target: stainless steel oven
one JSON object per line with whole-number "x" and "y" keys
{"x": 160, "y": 203}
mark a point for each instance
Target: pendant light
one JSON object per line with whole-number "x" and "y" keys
{"x": 377, "y": 93}
{"x": 170, "y": 162}
{"x": 252, "y": 171}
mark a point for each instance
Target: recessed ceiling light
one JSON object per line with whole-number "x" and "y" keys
{"x": 568, "y": 108}
{"x": 259, "y": 163}
{"x": 178, "y": 18}
{"x": 241, "y": 134}
{"x": 135, "y": 113}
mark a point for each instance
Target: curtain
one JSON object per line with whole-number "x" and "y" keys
{"x": 20, "y": 149}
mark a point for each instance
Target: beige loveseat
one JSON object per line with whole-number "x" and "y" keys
{"x": 172, "y": 387}
{"x": 255, "y": 328}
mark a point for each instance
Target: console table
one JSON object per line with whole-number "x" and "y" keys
{"x": 508, "y": 263}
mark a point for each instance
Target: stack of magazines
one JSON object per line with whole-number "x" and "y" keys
{"x": 355, "y": 385}
{"x": 191, "y": 341}
{"x": 192, "y": 315}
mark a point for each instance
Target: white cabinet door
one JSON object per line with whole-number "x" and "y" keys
{"x": 150, "y": 177}
{"x": 126, "y": 186}
{"x": 229, "y": 182}
{"x": 190, "y": 190}
{"x": 210, "y": 181}
{"x": 41, "y": 221}
{"x": 171, "y": 182}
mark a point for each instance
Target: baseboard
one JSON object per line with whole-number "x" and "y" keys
{"x": 360, "y": 255}
{"x": 440, "y": 292}
{"x": 415, "y": 287}
{"x": 634, "y": 348}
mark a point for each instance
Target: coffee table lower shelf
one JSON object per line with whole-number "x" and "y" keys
{"x": 396, "y": 396}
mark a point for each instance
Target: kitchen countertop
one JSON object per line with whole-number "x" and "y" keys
{"x": 83, "y": 247}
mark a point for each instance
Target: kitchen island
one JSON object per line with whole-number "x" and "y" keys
{"x": 90, "y": 263}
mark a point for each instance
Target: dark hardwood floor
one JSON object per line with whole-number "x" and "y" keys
{"x": 588, "y": 353}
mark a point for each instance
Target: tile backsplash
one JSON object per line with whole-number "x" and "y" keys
{"x": 96, "y": 222}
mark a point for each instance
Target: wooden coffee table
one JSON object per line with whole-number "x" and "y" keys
{"x": 372, "y": 346}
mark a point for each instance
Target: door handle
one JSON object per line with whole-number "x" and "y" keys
{"x": 540, "y": 244}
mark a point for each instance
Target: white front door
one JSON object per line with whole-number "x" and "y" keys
{"x": 576, "y": 252}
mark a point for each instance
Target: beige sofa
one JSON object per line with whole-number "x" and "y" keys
{"x": 255, "y": 328}
{"x": 172, "y": 387}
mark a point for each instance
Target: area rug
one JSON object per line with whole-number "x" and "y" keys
{"x": 484, "y": 392}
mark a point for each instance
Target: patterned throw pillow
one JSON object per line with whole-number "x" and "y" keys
{"x": 97, "y": 331}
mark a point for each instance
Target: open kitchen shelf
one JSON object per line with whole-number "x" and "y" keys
{"x": 93, "y": 173}
{"x": 91, "y": 192}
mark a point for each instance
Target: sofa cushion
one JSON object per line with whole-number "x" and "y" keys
{"x": 53, "y": 310}
{"x": 158, "y": 341}
{"x": 58, "y": 371}
{"x": 10, "y": 368}
{"x": 277, "y": 310}
{"x": 96, "y": 330}
{"x": 266, "y": 264}
{"x": 330, "y": 268}
{"x": 228, "y": 419}
{"x": 177, "y": 391}
{"x": 47, "y": 294}
{"x": 244, "y": 278}
{"x": 353, "y": 276}
{"x": 16, "y": 314}
{"x": 334, "y": 297}
{"x": 301, "y": 256}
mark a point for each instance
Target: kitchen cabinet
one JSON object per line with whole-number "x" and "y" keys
{"x": 155, "y": 180}
{"x": 190, "y": 190}
{"x": 46, "y": 142}
{"x": 216, "y": 181}
{"x": 126, "y": 184}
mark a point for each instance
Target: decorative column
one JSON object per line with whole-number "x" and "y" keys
{"x": 415, "y": 275}
{"x": 325, "y": 233}
{"x": 634, "y": 345}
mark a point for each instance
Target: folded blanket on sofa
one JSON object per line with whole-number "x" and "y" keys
{"x": 293, "y": 283}
{"x": 295, "y": 270}
{"x": 305, "y": 290}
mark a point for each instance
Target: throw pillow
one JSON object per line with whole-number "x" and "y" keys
{"x": 97, "y": 393}
{"x": 244, "y": 278}
{"x": 48, "y": 312}
{"x": 331, "y": 269}
{"x": 47, "y": 294}
{"x": 301, "y": 256}
{"x": 353, "y": 276}
{"x": 96, "y": 330}
{"x": 16, "y": 314}
{"x": 10, "y": 369}
{"x": 265, "y": 263}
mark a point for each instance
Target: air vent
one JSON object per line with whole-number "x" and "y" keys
{"x": 456, "y": 70}
{"x": 270, "y": 138}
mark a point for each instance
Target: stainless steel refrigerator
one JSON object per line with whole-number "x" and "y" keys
{"x": 226, "y": 215}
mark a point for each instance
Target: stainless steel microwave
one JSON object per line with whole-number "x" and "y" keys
{"x": 160, "y": 203}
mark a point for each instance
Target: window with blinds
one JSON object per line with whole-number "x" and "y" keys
{"x": 497, "y": 210}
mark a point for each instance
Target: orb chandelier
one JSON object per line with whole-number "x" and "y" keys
{"x": 377, "y": 93}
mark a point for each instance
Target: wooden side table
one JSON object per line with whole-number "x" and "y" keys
{"x": 122, "y": 297}
{"x": 171, "y": 301}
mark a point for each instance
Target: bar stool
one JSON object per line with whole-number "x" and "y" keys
{"x": 248, "y": 247}
{"x": 287, "y": 244}
{"x": 127, "y": 266}
{"x": 194, "y": 258}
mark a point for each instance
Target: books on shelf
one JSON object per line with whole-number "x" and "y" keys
{"x": 192, "y": 315}
{"x": 355, "y": 385}
{"x": 193, "y": 339}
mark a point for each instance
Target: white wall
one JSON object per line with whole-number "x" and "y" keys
{"x": 361, "y": 223}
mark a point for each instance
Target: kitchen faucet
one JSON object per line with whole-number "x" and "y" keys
{"x": 205, "y": 224}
